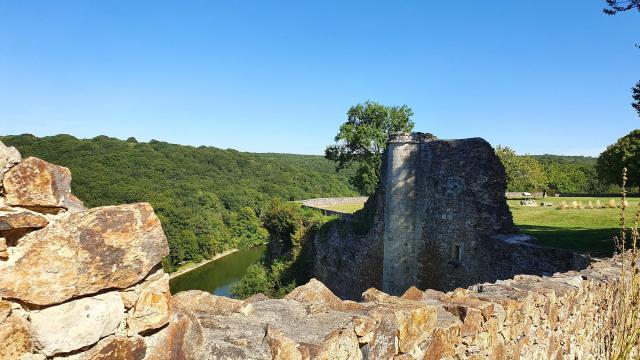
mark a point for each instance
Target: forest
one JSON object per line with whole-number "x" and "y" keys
{"x": 208, "y": 199}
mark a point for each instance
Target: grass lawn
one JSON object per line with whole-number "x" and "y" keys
{"x": 345, "y": 208}
{"x": 585, "y": 230}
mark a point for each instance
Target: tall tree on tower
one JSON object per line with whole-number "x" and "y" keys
{"x": 363, "y": 138}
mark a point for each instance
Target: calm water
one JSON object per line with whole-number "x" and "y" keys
{"x": 218, "y": 276}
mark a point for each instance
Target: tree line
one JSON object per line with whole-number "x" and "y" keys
{"x": 208, "y": 199}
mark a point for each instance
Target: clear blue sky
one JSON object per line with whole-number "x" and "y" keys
{"x": 539, "y": 76}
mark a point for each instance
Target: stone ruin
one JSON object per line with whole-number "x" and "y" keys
{"x": 80, "y": 284}
{"x": 439, "y": 220}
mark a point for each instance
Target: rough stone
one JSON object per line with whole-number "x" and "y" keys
{"x": 83, "y": 253}
{"x": 200, "y": 301}
{"x": 152, "y": 308}
{"x": 9, "y": 156}
{"x": 282, "y": 348}
{"x": 315, "y": 291}
{"x": 183, "y": 339}
{"x": 415, "y": 320}
{"x": 78, "y": 323}
{"x": 16, "y": 224}
{"x": 118, "y": 348}
{"x": 21, "y": 219}
{"x": 15, "y": 338}
{"x": 37, "y": 184}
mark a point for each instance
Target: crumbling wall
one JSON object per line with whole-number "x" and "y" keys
{"x": 440, "y": 221}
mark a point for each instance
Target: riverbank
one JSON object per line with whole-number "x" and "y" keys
{"x": 190, "y": 267}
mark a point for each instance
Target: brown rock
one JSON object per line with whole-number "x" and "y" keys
{"x": 15, "y": 338}
{"x": 21, "y": 219}
{"x": 84, "y": 253}
{"x": 182, "y": 340}
{"x": 5, "y": 310}
{"x": 413, "y": 293}
{"x": 338, "y": 345}
{"x": 16, "y": 224}
{"x": 9, "y": 156}
{"x": 194, "y": 301}
{"x": 37, "y": 184}
{"x": 118, "y": 348}
{"x": 415, "y": 321}
{"x": 152, "y": 308}
{"x": 384, "y": 342}
{"x": 315, "y": 291}
{"x": 282, "y": 348}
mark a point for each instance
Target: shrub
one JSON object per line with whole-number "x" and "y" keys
{"x": 612, "y": 204}
{"x": 563, "y": 205}
{"x": 590, "y": 205}
{"x": 625, "y": 340}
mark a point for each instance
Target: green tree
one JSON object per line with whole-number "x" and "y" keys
{"x": 246, "y": 229}
{"x": 524, "y": 173}
{"x": 624, "y": 153}
{"x": 636, "y": 97}
{"x": 283, "y": 221}
{"x": 616, "y": 6}
{"x": 255, "y": 280}
{"x": 362, "y": 139}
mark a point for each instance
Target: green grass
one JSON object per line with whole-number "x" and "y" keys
{"x": 584, "y": 230}
{"x": 345, "y": 208}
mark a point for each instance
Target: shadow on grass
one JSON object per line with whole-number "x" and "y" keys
{"x": 597, "y": 242}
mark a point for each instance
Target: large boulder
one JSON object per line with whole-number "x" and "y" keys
{"x": 76, "y": 324}
{"x": 112, "y": 247}
{"x": 37, "y": 184}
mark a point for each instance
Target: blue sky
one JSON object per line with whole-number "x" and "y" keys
{"x": 540, "y": 76}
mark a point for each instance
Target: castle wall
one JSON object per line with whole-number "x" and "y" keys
{"x": 401, "y": 242}
{"x": 432, "y": 224}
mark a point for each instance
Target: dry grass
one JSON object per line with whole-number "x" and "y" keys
{"x": 626, "y": 322}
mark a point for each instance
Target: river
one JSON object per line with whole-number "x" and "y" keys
{"x": 219, "y": 275}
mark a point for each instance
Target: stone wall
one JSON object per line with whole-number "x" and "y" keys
{"x": 82, "y": 284}
{"x": 75, "y": 283}
{"x": 439, "y": 220}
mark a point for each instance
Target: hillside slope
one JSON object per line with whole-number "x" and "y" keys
{"x": 206, "y": 198}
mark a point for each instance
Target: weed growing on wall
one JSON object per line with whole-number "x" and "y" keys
{"x": 626, "y": 322}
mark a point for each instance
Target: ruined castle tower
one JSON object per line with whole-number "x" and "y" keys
{"x": 442, "y": 199}
{"x": 438, "y": 220}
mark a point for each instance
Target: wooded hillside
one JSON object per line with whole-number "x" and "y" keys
{"x": 208, "y": 199}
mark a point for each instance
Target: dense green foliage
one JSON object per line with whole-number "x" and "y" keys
{"x": 362, "y": 139}
{"x": 524, "y": 173}
{"x": 206, "y": 198}
{"x": 624, "y": 153}
{"x": 288, "y": 259}
{"x": 552, "y": 173}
